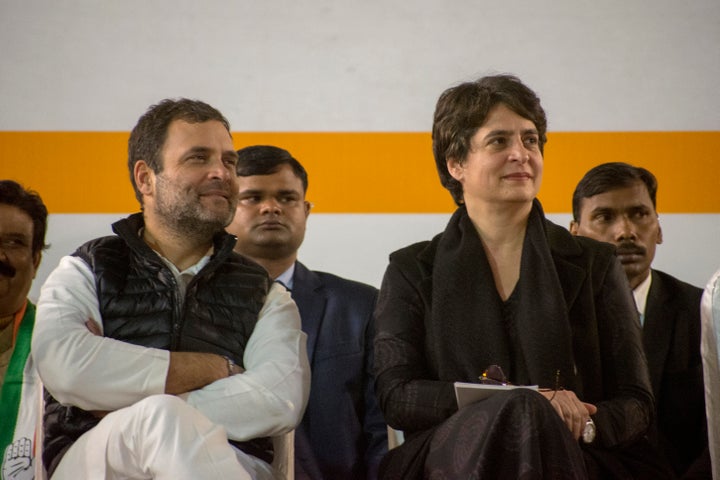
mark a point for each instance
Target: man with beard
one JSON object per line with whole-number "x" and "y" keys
{"x": 23, "y": 222}
{"x": 616, "y": 203}
{"x": 165, "y": 354}
{"x": 343, "y": 434}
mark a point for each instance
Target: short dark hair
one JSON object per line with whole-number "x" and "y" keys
{"x": 463, "y": 109}
{"x": 12, "y": 193}
{"x": 611, "y": 176}
{"x": 266, "y": 160}
{"x": 149, "y": 134}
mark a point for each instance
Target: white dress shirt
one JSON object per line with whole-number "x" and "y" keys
{"x": 641, "y": 293}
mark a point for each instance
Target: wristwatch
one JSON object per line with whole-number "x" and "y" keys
{"x": 588, "y": 434}
{"x": 230, "y": 366}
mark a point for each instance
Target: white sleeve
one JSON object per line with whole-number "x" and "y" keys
{"x": 82, "y": 369}
{"x": 270, "y": 397}
{"x": 710, "y": 351}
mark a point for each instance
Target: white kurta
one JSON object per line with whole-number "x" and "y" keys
{"x": 98, "y": 373}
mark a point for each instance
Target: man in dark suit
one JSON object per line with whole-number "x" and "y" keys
{"x": 343, "y": 434}
{"x": 615, "y": 203}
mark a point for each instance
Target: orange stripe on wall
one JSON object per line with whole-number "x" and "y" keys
{"x": 367, "y": 172}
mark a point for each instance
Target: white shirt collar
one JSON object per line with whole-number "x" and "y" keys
{"x": 641, "y": 293}
{"x": 183, "y": 278}
{"x": 286, "y": 278}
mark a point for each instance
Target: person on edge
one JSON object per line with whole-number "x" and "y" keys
{"x": 616, "y": 203}
{"x": 343, "y": 434}
{"x": 505, "y": 295}
{"x": 165, "y": 354}
{"x": 23, "y": 223}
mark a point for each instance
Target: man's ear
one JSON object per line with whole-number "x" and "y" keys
{"x": 36, "y": 262}
{"x": 308, "y": 207}
{"x": 455, "y": 168}
{"x": 573, "y": 227}
{"x": 659, "y": 239}
{"x": 144, "y": 177}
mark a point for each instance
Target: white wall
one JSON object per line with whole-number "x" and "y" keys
{"x": 357, "y": 246}
{"x": 375, "y": 65}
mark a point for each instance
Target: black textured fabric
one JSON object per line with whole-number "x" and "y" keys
{"x": 671, "y": 335}
{"x": 139, "y": 304}
{"x": 511, "y": 435}
{"x": 460, "y": 293}
{"x": 575, "y": 313}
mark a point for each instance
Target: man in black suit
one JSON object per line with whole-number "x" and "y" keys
{"x": 343, "y": 434}
{"x": 615, "y": 202}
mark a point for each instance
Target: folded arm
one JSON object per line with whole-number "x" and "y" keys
{"x": 78, "y": 367}
{"x": 269, "y": 398}
{"x": 81, "y": 367}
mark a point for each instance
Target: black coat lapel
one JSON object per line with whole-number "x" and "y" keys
{"x": 657, "y": 330}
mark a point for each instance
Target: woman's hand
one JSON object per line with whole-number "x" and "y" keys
{"x": 572, "y": 411}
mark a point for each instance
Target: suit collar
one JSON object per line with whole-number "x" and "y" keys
{"x": 309, "y": 295}
{"x": 657, "y": 329}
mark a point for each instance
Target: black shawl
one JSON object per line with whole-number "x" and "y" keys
{"x": 467, "y": 332}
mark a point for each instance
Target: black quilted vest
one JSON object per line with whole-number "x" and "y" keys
{"x": 138, "y": 298}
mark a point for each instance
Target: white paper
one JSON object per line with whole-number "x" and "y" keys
{"x": 467, "y": 393}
